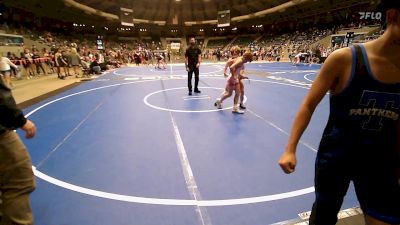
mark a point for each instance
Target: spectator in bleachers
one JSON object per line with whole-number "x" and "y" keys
{"x": 61, "y": 64}
{"x": 53, "y": 49}
{"x": 136, "y": 58}
{"x": 75, "y": 62}
{"x": 66, "y": 54}
{"x": 5, "y": 70}
{"x": 218, "y": 54}
{"x": 11, "y": 57}
{"x": 28, "y": 64}
{"x": 150, "y": 57}
{"x": 95, "y": 67}
{"x": 33, "y": 48}
{"x": 100, "y": 57}
{"x": 49, "y": 60}
{"x": 38, "y": 62}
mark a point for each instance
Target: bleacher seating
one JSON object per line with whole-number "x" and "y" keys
{"x": 244, "y": 41}
{"x": 218, "y": 43}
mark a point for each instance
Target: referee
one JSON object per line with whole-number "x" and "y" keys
{"x": 192, "y": 62}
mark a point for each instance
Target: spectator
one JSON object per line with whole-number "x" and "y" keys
{"x": 38, "y": 62}
{"x": 28, "y": 64}
{"x": 61, "y": 64}
{"x": 75, "y": 61}
{"x": 66, "y": 55}
{"x": 48, "y": 60}
{"x": 5, "y": 70}
{"x": 136, "y": 58}
{"x": 95, "y": 67}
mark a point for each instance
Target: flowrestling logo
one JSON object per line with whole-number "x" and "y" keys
{"x": 370, "y": 15}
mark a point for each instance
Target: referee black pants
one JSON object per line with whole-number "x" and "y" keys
{"x": 194, "y": 70}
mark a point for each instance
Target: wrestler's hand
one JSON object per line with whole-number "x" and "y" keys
{"x": 288, "y": 162}
{"x": 30, "y": 129}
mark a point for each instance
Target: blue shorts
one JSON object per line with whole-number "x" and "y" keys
{"x": 375, "y": 180}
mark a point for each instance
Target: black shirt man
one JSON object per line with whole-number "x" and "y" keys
{"x": 193, "y": 60}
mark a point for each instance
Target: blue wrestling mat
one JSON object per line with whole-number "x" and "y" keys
{"x": 132, "y": 148}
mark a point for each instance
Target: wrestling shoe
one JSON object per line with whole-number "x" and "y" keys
{"x": 218, "y": 104}
{"x": 237, "y": 110}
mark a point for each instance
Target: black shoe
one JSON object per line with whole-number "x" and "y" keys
{"x": 242, "y": 106}
{"x": 197, "y": 91}
{"x": 190, "y": 93}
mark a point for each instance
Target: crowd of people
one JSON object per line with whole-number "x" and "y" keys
{"x": 68, "y": 56}
{"x": 74, "y": 55}
{"x": 62, "y": 61}
{"x": 72, "y": 60}
{"x": 296, "y": 45}
{"x": 77, "y": 56}
{"x": 273, "y": 48}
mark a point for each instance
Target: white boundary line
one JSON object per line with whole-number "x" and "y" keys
{"x": 194, "y": 96}
{"x": 174, "y": 202}
{"x": 160, "y": 201}
{"x": 200, "y": 98}
{"x": 188, "y": 174}
{"x": 145, "y": 100}
{"x": 219, "y": 70}
{"x": 69, "y": 134}
{"x": 280, "y": 129}
{"x": 306, "y": 77}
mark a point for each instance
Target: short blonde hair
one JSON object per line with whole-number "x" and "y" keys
{"x": 235, "y": 49}
{"x": 248, "y": 55}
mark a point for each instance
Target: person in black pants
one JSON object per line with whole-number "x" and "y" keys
{"x": 193, "y": 60}
{"x": 17, "y": 181}
{"x": 360, "y": 142}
